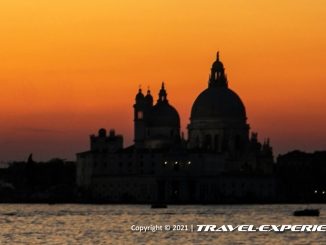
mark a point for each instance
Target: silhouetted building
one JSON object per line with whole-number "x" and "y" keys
{"x": 218, "y": 162}
{"x": 301, "y": 176}
{"x": 53, "y": 181}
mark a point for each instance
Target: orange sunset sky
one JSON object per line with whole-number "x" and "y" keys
{"x": 69, "y": 67}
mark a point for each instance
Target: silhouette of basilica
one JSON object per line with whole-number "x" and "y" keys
{"x": 218, "y": 162}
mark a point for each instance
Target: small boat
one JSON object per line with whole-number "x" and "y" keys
{"x": 10, "y": 214}
{"x": 159, "y": 205}
{"x": 306, "y": 212}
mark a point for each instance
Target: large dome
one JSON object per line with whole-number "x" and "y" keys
{"x": 164, "y": 115}
{"x": 218, "y": 102}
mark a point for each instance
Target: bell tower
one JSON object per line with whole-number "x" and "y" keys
{"x": 139, "y": 123}
{"x": 142, "y": 107}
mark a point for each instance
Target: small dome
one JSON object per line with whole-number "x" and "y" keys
{"x": 102, "y": 132}
{"x": 218, "y": 66}
{"x": 149, "y": 98}
{"x": 216, "y": 103}
{"x": 164, "y": 115}
{"x": 139, "y": 97}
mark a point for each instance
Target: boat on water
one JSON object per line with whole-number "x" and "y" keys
{"x": 159, "y": 205}
{"x": 306, "y": 212}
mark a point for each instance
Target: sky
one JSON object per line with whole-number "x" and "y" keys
{"x": 68, "y": 68}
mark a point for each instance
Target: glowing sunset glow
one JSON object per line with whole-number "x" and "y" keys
{"x": 68, "y": 68}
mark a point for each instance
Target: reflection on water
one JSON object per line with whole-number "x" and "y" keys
{"x": 110, "y": 224}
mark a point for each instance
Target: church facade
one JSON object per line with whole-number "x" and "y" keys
{"x": 218, "y": 162}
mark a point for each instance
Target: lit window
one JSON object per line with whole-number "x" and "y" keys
{"x": 140, "y": 115}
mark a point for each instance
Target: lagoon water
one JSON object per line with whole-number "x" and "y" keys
{"x": 111, "y": 224}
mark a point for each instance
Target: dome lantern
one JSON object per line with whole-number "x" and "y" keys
{"x": 217, "y": 76}
{"x": 162, "y": 96}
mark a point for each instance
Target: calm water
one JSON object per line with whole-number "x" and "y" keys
{"x": 110, "y": 224}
